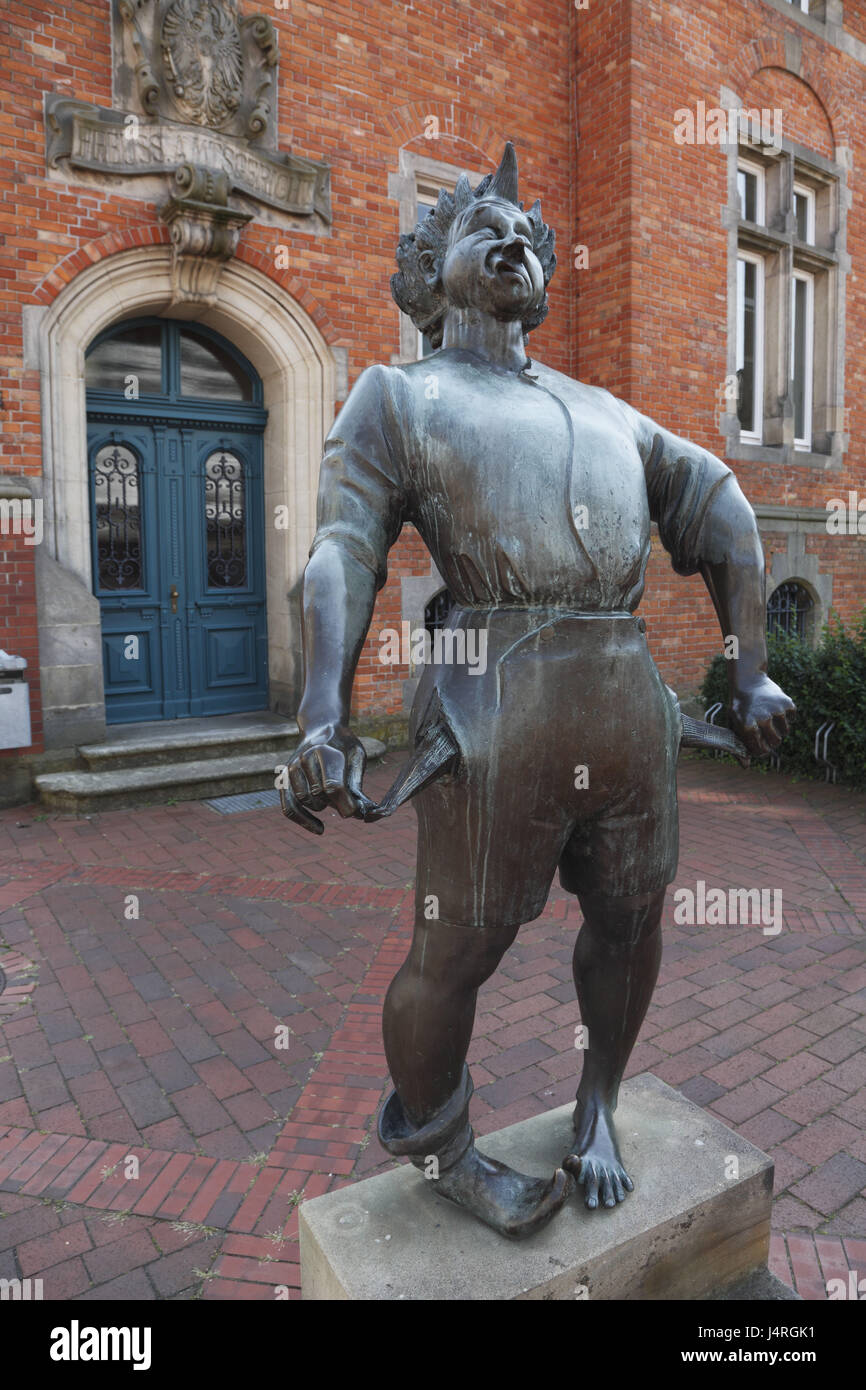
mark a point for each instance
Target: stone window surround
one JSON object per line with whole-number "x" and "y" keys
{"x": 416, "y": 174}
{"x": 830, "y": 264}
{"x": 795, "y": 563}
{"x": 825, "y": 20}
{"x": 302, "y": 377}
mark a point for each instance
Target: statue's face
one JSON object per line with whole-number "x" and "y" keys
{"x": 490, "y": 263}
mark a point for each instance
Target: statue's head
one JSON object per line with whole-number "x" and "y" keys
{"x": 477, "y": 249}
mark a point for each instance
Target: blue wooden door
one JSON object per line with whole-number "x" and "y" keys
{"x": 177, "y": 508}
{"x": 178, "y": 559}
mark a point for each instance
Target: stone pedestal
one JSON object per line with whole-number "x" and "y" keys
{"x": 696, "y": 1226}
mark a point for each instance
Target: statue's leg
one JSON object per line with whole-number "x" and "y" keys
{"x": 427, "y": 1021}
{"x": 616, "y": 963}
{"x": 429, "y": 1010}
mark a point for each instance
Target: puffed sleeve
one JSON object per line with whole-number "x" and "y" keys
{"x": 681, "y": 482}
{"x": 362, "y": 499}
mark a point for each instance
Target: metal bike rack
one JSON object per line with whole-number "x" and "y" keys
{"x": 830, "y": 769}
{"x": 710, "y": 718}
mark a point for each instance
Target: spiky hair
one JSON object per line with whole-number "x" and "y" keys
{"x": 427, "y": 306}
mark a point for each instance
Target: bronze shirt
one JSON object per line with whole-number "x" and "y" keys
{"x": 528, "y": 489}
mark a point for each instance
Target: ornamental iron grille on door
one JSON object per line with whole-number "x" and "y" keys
{"x": 175, "y": 424}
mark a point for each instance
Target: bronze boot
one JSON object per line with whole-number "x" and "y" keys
{"x": 443, "y": 1149}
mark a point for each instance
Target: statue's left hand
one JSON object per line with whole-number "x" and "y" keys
{"x": 761, "y": 714}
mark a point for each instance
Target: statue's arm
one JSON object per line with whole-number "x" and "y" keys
{"x": 360, "y": 511}
{"x": 709, "y": 528}
{"x": 339, "y": 593}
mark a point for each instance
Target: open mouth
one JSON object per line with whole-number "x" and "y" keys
{"x": 509, "y": 270}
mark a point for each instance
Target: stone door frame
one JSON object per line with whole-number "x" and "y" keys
{"x": 300, "y": 376}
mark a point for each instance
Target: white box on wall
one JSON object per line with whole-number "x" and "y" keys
{"x": 14, "y": 714}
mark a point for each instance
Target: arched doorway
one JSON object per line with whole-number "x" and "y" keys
{"x": 175, "y": 422}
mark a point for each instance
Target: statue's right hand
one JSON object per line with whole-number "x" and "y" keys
{"x": 326, "y": 769}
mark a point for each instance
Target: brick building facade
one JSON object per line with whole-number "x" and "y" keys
{"x": 244, "y": 231}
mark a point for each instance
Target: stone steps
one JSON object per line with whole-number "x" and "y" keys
{"x": 178, "y": 742}
{"x": 188, "y": 778}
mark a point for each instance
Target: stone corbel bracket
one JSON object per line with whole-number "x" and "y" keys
{"x": 204, "y": 229}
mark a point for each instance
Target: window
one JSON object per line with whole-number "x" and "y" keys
{"x": 786, "y": 323}
{"x": 131, "y": 352}
{"x": 209, "y": 372}
{"x": 437, "y": 610}
{"x": 750, "y": 345}
{"x": 802, "y": 348}
{"x": 800, "y": 5}
{"x": 804, "y": 213}
{"x": 151, "y": 357}
{"x": 790, "y": 611}
{"x": 118, "y": 518}
{"x": 750, "y": 186}
{"x": 225, "y": 514}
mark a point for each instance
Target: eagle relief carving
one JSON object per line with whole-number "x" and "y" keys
{"x": 201, "y": 63}
{"x": 193, "y": 110}
{"x": 203, "y": 57}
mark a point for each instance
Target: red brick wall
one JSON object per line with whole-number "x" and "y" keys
{"x": 356, "y": 82}
{"x": 652, "y": 308}
{"x": 588, "y": 97}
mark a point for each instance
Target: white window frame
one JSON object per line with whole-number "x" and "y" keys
{"x": 802, "y": 190}
{"x": 424, "y": 198}
{"x": 753, "y": 436}
{"x": 804, "y": 443}
{"x": 748, "y": 166}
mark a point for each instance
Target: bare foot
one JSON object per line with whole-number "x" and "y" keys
{"x": 595, "y": 1161}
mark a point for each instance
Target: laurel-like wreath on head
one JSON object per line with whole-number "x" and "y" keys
{"x": 426, "y": 305}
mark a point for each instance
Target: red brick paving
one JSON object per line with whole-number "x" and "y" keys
{"x": 155, "y": 1037}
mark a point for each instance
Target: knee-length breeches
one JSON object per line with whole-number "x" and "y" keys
{"x": 568, "y": 747}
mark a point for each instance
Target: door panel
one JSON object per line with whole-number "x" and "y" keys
{"x": 125, "y": 567}
{"x": 227, "y": 572}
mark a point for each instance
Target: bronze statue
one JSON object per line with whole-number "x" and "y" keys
{"x": 534, "y": 494}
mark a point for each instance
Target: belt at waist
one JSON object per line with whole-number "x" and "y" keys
{"x": 536, "y": 618}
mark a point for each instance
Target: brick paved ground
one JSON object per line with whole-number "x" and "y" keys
{"x": 153, "y": 1037}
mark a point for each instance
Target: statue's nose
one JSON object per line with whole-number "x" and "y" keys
{"x": 514, "y": 251}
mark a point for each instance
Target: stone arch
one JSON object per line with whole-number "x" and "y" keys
{"x": 406, "y": 124}
{"x": 806, "y": 119}
{"x": 299, "y": 373}
{"x": 796, "y": 565}
{"x": 789, "y": 53}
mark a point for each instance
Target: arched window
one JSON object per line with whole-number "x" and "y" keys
{"x": 790, "y": 610}
{"x": 178, "y": 361}
{"x": 437, "y": 610}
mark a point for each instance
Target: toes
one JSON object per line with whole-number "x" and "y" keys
{"x": 589, "y": 1178}
{"x": 602, "y": 1186}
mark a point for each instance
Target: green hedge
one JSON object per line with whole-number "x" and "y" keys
{"x": 825, "y": 682}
